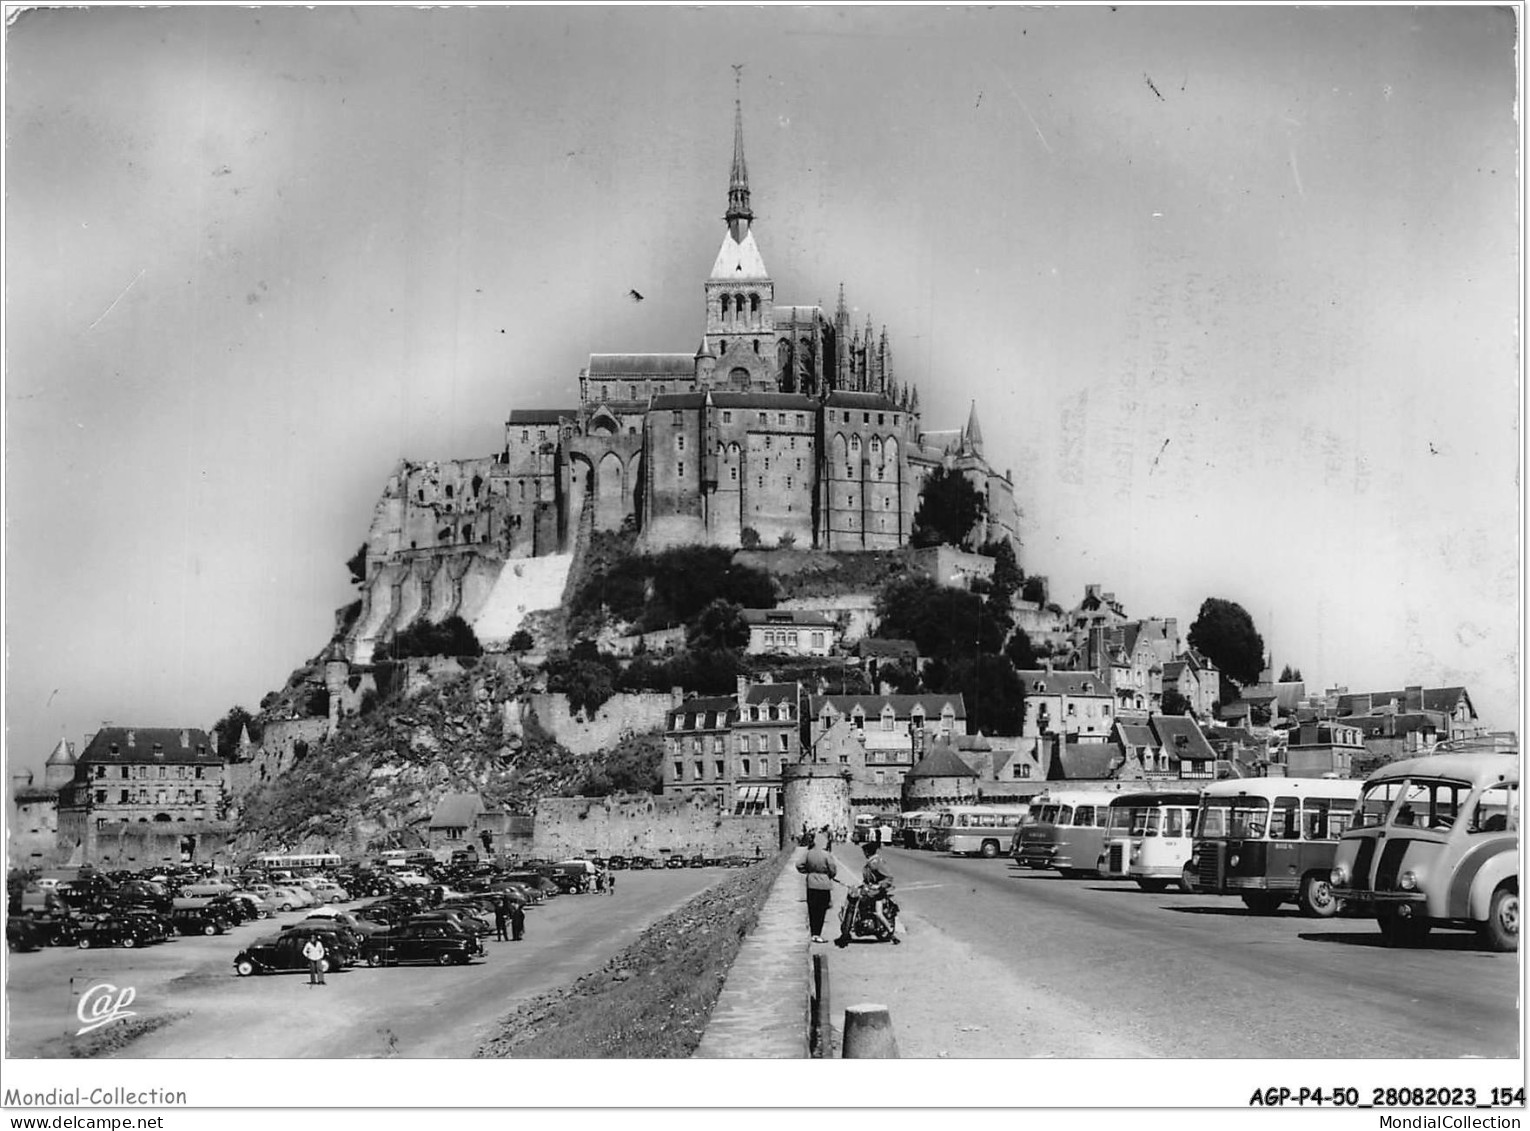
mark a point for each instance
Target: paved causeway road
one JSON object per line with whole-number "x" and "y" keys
{"x": 406, "y": 1011}
{"x": 1004, "y": 961}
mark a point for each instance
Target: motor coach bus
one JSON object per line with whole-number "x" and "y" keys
{"x": 1272, "y": 840}
{"x": 1435, "y": 843}
{"x": 913, "y": 830}
{"x": 982, "y": 830}
{"x": 298, "y": 862}
{"x": 1068, "y": 831}
{"x": 1148, "y": 837}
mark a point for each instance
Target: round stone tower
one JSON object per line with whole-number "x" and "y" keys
{"x": 815, "y": 794}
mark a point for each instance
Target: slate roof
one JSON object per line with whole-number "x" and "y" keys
{"x": 63, "y": 754}
{"x": 1063, "y": 683}
{"x": 1171, "y": 728}
{"x": 876, "y": 402}
{"x": 1137, "y": 734}
{"x": 541, "y": 415}
{"x": 799, "y": 618}
{"x": 642, "y": 365}
{"x": 941, "y": 761}
{"x": 759, "y": 693}
{"x": 902, "y": 705}
{"x": 724, "y": 706}
{"x": 1082, "y": 761}
{"x": 198, "y": 748}
{"x": 456, "y": 811}
{"x": 783, "y": 401}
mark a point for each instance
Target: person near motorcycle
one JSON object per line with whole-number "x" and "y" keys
{"x": 878, "y": 883}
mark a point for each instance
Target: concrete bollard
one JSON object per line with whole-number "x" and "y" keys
{"x": 869, "y": 1033}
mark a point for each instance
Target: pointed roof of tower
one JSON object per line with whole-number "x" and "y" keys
{"x": 974, "y": 434}
{"x": 738, "y": 175}
{"x": 62, "y": 755}
{"x": 739, "y": 260}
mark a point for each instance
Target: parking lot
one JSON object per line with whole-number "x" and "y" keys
{"x": 407, "y": 1011}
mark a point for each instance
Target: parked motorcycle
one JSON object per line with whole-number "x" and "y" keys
{"x": 858, "y": 921}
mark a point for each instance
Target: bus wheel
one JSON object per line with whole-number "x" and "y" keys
{"x": 1154, "y": 886}
{"x": 990, "y": 849}
{"x": 1187, "y": 879}
{"x": 1262, "y": 902}
{"x": 1501, "y": 931}
{"x": 1317, "y": 900}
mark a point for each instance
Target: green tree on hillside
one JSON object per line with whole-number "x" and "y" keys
{"x": 719, "y": 625}
{"x": 949, "y": 506}
{"x": 1288, "y": 674}
{"x": 452, "y": 637}
{"x": 226, "y": 731}
{"x": 1224, "y": 633}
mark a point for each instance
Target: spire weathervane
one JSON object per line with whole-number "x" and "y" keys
{"x": 739, "y": 213}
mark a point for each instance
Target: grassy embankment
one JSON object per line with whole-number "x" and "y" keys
{"x": 652, "y": 1000}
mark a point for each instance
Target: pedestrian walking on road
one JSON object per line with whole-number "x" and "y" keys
{"x": 818, "y": 866}
{"x": 501, "y": 918}
{"x": 313, "y": 950}
{"x": 517, "y": 922}
{"x": 610, "y": 883}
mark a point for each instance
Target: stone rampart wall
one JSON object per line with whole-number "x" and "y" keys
{"x": 644, "y": 825}
{"x": 619, "y": 717}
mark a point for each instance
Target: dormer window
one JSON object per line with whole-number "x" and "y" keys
{"x": 159, "y": 751}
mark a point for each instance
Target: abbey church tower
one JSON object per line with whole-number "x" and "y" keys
{"x": 740, "y": 333}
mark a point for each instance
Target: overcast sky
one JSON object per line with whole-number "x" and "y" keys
{"x": 1233, "y": 289}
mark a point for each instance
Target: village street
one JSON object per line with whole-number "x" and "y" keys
{"x": 1001, "y": 961}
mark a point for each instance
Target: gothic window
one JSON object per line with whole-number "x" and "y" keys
{"x": 754, "y": 306}
{"x": 855, "y": 444}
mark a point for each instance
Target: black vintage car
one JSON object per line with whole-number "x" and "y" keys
{"x": 277, "y": 953}
{"x": 24, "y": 933}
{"x": 114, "y": 930}
{"x": 638, "y": 863}
{"x": 699, "y": 861}
{"x": 419, "y": 942}
{"x": 336, "y": 937}
{"x": 195, "y": 921}
{"x": 617, "y": 863}
{"x": 675, "y": 861}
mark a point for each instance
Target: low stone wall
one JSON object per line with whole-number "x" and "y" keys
{"x": 121, "y": 845}
{"x": 642, "y": 825}
{"x": 619, "y": 717}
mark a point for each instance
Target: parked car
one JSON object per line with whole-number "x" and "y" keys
{"x": 617, "y": 863}
{"x": 292, "y": 899}
{"x": 419, "y": 942}
{"x": 22, "y": 932}
{"x": 638, "y": 863}
{"x": 277, "y": 953}
{"x": 675, "y": 861}
{"x": 114, "y": 930}
{"x": 258, "y": 907}
{"x": 196, "y": 921}
{"x": 337, "y": 939}
{"x": 473, "y": 925}
{"x": 699, "y": 861}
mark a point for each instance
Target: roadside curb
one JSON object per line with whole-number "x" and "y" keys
{"x": 762, "y": 1011}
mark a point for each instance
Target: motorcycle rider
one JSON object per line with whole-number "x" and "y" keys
{"x": 878, "y": 883}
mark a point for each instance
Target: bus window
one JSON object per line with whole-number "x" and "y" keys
{"x": 1065, "y": 814}
{"x": 1284, "y": 824}
{"x": 1317, "y": 817}
{"x": 1213, "y": 818}
{"x": 1375, "y": 802}
{"x": 1497, "y": 810}
{"x": 1174, "y": 822}
{"x": 1440, "y": 803}
{"x": 1083, "y": 817}
{"x": 1249, "y": 819}
{"x": 1122, "y": 820}
{"x": 1137, "y": 821}
{"x": 1151, "y": 821}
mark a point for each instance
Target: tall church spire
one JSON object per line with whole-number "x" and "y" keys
{"x": 739, "y": 213}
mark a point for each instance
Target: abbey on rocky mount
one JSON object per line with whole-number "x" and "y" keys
{"x": 784, "y": 426}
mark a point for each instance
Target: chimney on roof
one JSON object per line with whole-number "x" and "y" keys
{"x": 185, "y": 740}
{"x": 743, "y": 690}
{"x": 130, "y": 738}
{"x": 1413, "y": 698}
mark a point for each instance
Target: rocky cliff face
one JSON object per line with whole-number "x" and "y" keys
{"x": 380, "y": 776}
